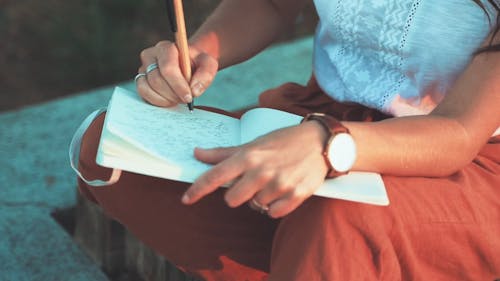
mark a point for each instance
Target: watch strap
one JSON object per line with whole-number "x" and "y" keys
{"x": 333, "y": 127}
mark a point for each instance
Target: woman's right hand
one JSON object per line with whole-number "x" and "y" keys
{"x": 166, "y": 86}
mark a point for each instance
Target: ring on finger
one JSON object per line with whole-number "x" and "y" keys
{"x": 139, "y": 75}
{"x": 151, "y": 67}
{"x": 263, "y": 209}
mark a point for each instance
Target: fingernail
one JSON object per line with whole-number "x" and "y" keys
{"x": 197, "y": 89}
{"x": 188, "y": 98}
{"x": 185, "y": 198}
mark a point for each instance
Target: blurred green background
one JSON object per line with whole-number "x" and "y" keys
{"x": 54, "y": 48}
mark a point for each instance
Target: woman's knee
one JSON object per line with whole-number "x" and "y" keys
{"x": 326, "y": 231}
{"x": 333, "y": 213}
{"x": 86, "y": 160}
{"x": 88, "y": 152}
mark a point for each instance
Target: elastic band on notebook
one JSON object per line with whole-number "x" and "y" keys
{"x": 74, "y": 152}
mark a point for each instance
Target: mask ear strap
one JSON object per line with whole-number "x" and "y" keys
{"x": 74, "y": 152}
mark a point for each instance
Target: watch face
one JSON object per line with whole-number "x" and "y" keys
{"x": 342, "y": 152}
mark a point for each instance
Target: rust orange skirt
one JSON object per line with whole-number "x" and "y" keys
{"x": 434, "y": 229}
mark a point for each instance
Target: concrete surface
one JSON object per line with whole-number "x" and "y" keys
{"x": 35, "y": 177}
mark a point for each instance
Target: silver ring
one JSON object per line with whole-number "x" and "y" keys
{"x": 139, "y": 75}
{"x": 151, "y": 67}
{"x": 263, "y": 209}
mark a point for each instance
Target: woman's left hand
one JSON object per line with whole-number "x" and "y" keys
{"x": 279, "y": 170}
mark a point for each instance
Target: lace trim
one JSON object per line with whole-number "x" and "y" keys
{"x": 338, "y": 18}
{"x": 356, "y": 28}
{"x": 371, "y": 51}
{"x": 397, "y": 86}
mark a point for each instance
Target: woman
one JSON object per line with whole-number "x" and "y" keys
{"x": 415, "y": 69}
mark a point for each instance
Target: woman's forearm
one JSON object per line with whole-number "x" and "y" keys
{"x": 239, "y": 29}
{"x": 411, "y": 146}
{"x": 442, "y": 142}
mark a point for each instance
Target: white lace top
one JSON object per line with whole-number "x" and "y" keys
{"x": 398, "y": 56}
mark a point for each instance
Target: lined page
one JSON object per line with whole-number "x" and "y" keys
{"x": 170, "y": 134}
{"x": 260, "y": 121}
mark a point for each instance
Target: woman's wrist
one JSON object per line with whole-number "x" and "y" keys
{"x": 339, "y": 148}
{"x": 317, "y": 132}
{"x": 318, "y": 138}
{"x": 206, "y": 43}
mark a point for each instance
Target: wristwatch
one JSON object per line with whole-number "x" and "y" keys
{"x": 340, "y": 149}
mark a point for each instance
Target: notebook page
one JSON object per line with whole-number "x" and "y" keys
{"x": 260, "y": 121}
{"x": 170, "y": 134}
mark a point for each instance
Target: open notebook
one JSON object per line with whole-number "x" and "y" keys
{"x": 159, "y": 142}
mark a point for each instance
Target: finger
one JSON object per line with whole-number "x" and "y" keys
{"x": 168, "y": 61}
{"x": 284, "y": 206}
{"x": 289, "y": 202}
{"x": 150, "y": 95}
{"x": 154, "y": 78}
{"x": 214, "y": 155}
{"x": 147, "y": 56}
{"x": 206, "y": 69}
{"x": 220, "y": 174}
{"x": 161, "y": 87}
{"x": 246, "y": 188}
{"x": 277, "y": 186}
